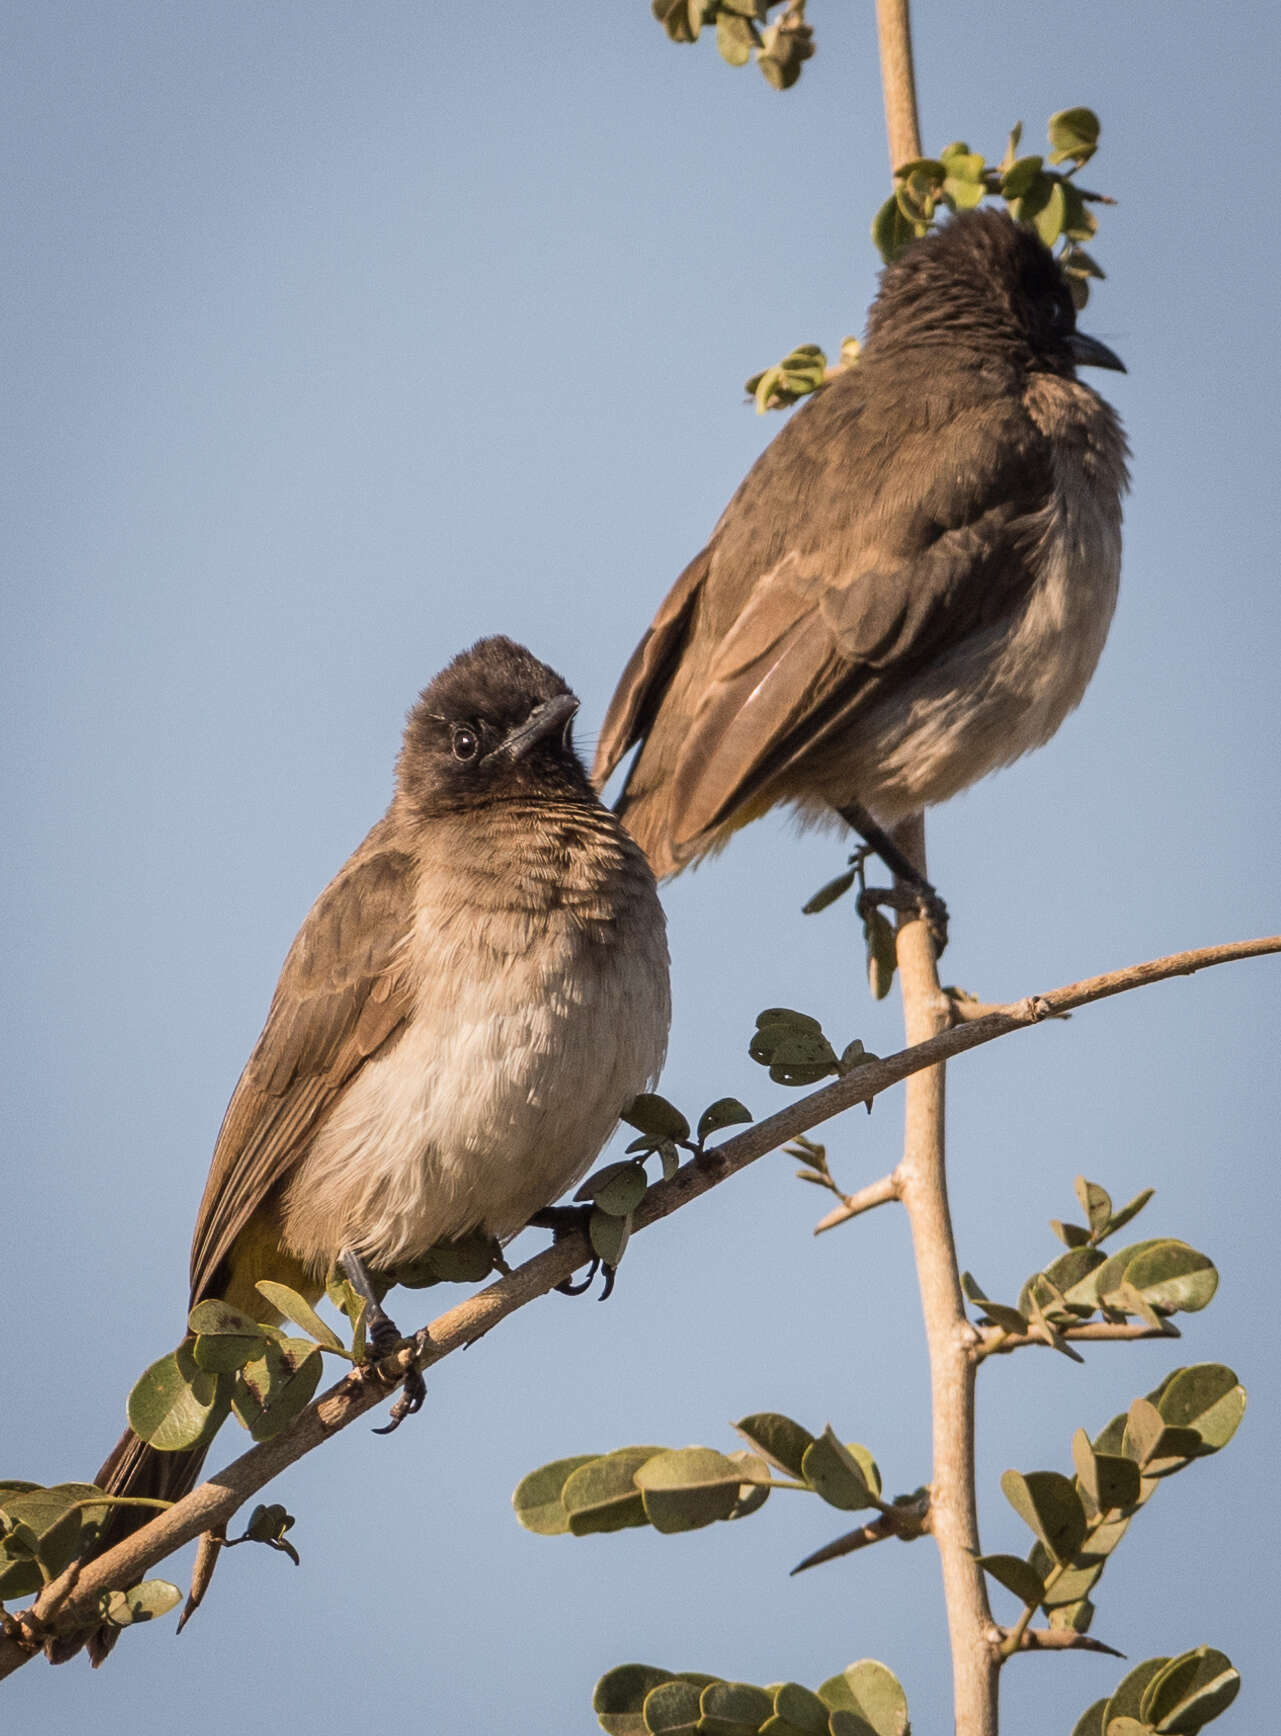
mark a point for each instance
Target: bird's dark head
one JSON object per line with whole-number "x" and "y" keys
{"x": 985, "y": 284}
{"x": 494, "y": 725}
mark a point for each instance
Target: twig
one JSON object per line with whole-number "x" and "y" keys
{"x": 1063, "y": 1640}
{"x": 876, "y": 1193}
{"x": 997, "y": 1341}
{"x": 216, "y": 1501}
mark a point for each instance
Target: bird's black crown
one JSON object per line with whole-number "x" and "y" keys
{"x": 980, "y": 280}
{"x": 459, "y": 734}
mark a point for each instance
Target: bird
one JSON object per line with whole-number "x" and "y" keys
{"x": 471, "y": 1003}
{"x": 914, "y": 582}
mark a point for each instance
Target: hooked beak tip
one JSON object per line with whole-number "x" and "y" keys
{"x": 1088, "y": 352}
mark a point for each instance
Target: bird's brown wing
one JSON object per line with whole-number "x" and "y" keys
{"x": 649, "y": 669}
{"x": 806, "y": 656}
{"x": 343, "y": 994}
{"x": 888, "y": 520}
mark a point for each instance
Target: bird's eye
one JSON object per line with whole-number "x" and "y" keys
{"x": 465, "y": 742}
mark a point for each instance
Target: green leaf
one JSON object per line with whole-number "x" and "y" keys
{"x": 1110, "y": 1480}
{"x": 618, "y": 1188}
{"x": 1074, "y": 135}
{"x": 735, "y": 38}
{"x": 654, "y": 1115}
{"x": 1095, "y": 1202}
{"x": 620, "y": 1695}
{"x": 828, "y": 893}
{"x": 273, "y": 1389}
{"x": 602, "y": 1496}
{"x": 753, "y": 1491}
{"x": 782, "y": 1441}
{"x": 297, "y": 1308}
{"x": 1047, "y": 215}
{"x": 1206, "y": 1397}
{"x": 725, "y": 1112}
{"x": 997, "y": 1313}
{"x": 1070, "y": 1275}
{"x": 49, "y": 1527}
{"x": 872, "y": 1691}
{"x": 1172, "y": 1276}
{"x": 1021, "y": 177}
{"x": 1105, "y": 1278}
{"x": 1015, "y": 1575}
{"x": 152, "y": 1597}
{"x": 1118, "y": 1220}
{"x": 537, "y": 1497}
{"x": 688, "y": 1487}
{"x": 1011, "y": 147}
{"x": 1190, "y": 1691}
{"x": 794, "y": 1054}
{"x": 682, "y": 19}
{"x": 176, "y": 1404}
{"x": 891, "y": 231}
{"x": 1128, "y": 1694}
{"x": 1074, "y": 1235}
{"x": 1050, "y": 1505}
{"x": 844, "y": 1476}
{"x": 1158, "y": 1448}
{"x": 608, "y": 1235}
{"x": 733, "y": 1709}
{"x": 226, "y": 1339}
{"x": 671, "y": 1709}
{"x": 882, "y": 953}
{"x": 798, "y": 1711}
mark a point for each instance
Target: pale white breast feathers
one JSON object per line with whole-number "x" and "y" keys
{"x": 501, "y": 1091}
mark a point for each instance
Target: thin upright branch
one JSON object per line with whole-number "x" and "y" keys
{"x": 898, "y": 80}
{"x": 950, "y": 1337}
{"x": 72, "y": 1601}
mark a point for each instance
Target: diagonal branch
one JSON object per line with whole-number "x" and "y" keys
{"x": 71, "y": 1602}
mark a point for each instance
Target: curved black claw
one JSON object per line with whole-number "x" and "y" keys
{"x": 565, "y": 1221}
{"x": 568, "y": 1287}
{"x": 412, "y": 1393}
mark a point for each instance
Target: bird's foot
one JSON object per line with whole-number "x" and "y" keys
{"x": 383, "y": 1336}
{"x": 565, "y": 1221}
{"x": 917, "y": 900}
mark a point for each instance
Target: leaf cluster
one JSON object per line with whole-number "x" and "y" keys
{"x": 796, "y": 1051}
{"x": 641, "y": 1700}
{"x": 684, "y": 1489}
{"x": 780, "y": 49}
{"x": 1148, "y": 1280}
{"x": 1078, "y": 1521}
{"x": 44, "y": 1529}
{"x": 1036, "y": 190}
{"x": 1165, "y": 1697}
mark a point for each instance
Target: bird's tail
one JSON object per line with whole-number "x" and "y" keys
{"x": 135, "y": 1469}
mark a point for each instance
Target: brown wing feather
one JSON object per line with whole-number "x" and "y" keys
{"x": 649, "y": 669}
{"x": 341, "y": 997}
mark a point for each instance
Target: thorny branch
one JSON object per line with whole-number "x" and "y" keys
{"x": 71, "y": 1601}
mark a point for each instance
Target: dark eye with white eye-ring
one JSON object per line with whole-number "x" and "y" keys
{"x": 465, "y": 742}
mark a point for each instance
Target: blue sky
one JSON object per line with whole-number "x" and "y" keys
{"x": 339, "y": 336}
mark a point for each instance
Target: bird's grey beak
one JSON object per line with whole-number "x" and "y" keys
{"x": 1088, "y": 352}
{"x": 543, "y": 720}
